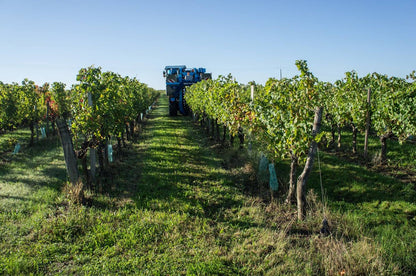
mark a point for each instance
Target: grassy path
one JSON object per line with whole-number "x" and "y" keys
{"x": 180, "y": 192}
{"x": 178, "y": 173}
{"x": 172, "y": 208}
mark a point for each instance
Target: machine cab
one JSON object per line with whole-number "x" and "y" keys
{"x": 189, "y": 76}
{"x": 173, "y": 74}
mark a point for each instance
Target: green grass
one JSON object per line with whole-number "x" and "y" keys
{"x": 177, "y": 204}
{"x": 376, "y": 202}
{"x": 399, "y": 156}
{"x": 9, "y": 139}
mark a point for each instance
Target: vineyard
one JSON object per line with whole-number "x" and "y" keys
{"x": 104, "y": 105}
{"x": 286, "y": 115}
{"x": 297, "y": 176}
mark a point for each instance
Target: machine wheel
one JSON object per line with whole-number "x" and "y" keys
{"x": 173, "y": 110}
{"x": 186, "y": 108}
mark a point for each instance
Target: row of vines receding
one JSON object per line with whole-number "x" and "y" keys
{"x": 289, "y": 117}
{"x": 101, "y": 106}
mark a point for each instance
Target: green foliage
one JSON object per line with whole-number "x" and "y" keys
{"x": 32, "y": 103}
{"x": 281, "y": 113}
{"x": 284, "y": 113}
{"x": 62, "y": 99}
{"x": 22, "y": 104}
{"x": 347, "y": 102}
{"x": 104, "y": 102}
{"x": 222, "y": 99}
{"x": 9, "y": 105}
{"x": 394, "y": 106}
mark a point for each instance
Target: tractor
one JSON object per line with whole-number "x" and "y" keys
{"x": 178, "y": 78}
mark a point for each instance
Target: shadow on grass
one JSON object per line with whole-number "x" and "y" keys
{"x": 344, "y": 181}
{"x": 351, "y": 188}
{"x": 356, "y": 184}
{"x": 18, "y": 198}
{"x": 39, "y": 165}
{"x": 21, "y": 136}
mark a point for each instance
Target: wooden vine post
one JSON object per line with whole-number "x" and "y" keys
{"x": 303, "y": 178}
{"x": 69, "y": 153}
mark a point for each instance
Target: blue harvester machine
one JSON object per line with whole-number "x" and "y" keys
{"x": 178, "y": 78}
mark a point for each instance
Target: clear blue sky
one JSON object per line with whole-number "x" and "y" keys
{"x": 50, "y": 41}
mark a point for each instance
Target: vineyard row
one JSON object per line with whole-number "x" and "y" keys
{"x": 102, "y": 105}
{"x": 288, "y": 117}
